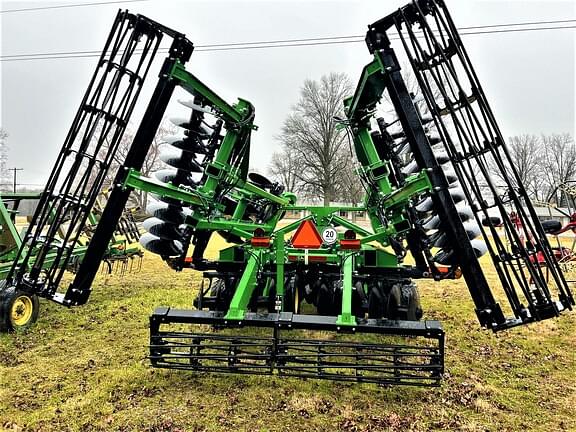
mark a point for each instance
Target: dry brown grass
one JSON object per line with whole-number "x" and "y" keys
{"x": 84, "y": 369}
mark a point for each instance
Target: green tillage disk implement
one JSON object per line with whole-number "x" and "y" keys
{"x": 321, "y": 297}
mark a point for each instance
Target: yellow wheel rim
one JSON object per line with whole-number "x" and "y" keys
{"x": 22, "y": 309}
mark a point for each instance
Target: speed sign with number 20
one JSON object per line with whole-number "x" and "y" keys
{"x": 329, "y": 235}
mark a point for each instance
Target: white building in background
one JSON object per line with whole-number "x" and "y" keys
{"x": 356, "y": 216}
{"x": 544, "y": 213}
{"x": 559, "y": 214}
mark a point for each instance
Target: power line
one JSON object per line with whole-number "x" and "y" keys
{"x": 362, "y": 36}
{"x": 517, "y": 24}
{"x": 259, "y": 45}
{"x": 282, "y": 41}
{"x": 315, "y": 39}
{"x": 68, "y": 6}
{"x": 232, "y": 48}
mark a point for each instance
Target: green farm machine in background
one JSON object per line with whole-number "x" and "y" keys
{"x": 20, "y": 309}
{"x": 430, "y": 200}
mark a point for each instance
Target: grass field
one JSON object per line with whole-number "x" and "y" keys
{"x": 85, "y": 369}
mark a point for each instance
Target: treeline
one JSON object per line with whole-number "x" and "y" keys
{"x": 317, "y": 162}
{"x": 546, "y": 165}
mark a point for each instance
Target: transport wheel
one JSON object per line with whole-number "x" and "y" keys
{"x": 337, "y": 290}
{"x": 18, "y": 310}
{"x": 325, "y": 300}
{"x": 310, "y": 286}
{"x": 222, "y": 290}
{"x": 376, "y": 302}
{"x": 272, "y": 296}
{"x": 359, "y": 300}
{"x": 404, "y": 302}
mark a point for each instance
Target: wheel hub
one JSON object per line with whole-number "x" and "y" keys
{"x": 22, "y": 309}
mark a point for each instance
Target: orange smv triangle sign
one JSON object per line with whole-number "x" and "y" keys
{"x": 307, "y": 236}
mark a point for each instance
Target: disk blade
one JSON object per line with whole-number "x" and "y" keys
{"x": 154, "y": 244}
{"x": 190, "y": 104}
{"x": 178, "y": 159}
{"x": 163, "y": 229}
{"x": 167, "y": 212}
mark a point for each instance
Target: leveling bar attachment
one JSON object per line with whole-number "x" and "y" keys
{"x": 283, "y": 345}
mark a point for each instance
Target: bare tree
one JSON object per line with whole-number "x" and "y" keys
{"x": 526, "y": 154}
{"x": 284, "y": 169}
{"x": 152, "y": 161}
{"x": 310, "y": 133}
{"x": 558, "y": 162}
{"x": 542, "y": 163}
{"x": 350, "y": 188}
{"x": 139, "y": 198}
{"x": 387, "y": 107}
{"x": 4, "y": 174}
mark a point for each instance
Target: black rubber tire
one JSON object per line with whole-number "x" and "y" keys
{"x": 9, "y": 295}
{"x": 310, "y": 280}
{"x": 376, "y": 302}
{"x": 272, "y": 297}
{"x": 551, "y": 226}
{"x": 359, "y": 288}
{"x": 359, "y": 300}
{"x": 337, "y": 291}
{"x": 222, "y": 290}
{"x": 258, "y": 293}
{"x": 492, "y": 220}
{"x": 325, "y": 300}
{"x": 404, "y": 302}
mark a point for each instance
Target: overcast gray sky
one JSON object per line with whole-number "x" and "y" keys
{"x": 527, "y": 76}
